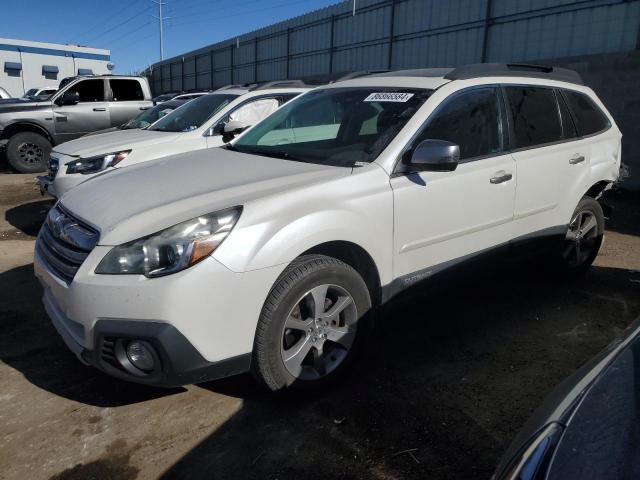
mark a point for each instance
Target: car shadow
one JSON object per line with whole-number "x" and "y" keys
{"x": 30, "y": 344}
{"x": 450, "y": 378}
{"x": 4, "y": 163}
{"x": 28, "y": 217}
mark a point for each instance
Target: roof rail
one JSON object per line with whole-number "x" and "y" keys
{"x": 514, "y": 70}
{"x": 358, "y": 74}
{"x": 417, "y": 72}
{"x": 247, "y": 86}
{"x": 281, "y": 84}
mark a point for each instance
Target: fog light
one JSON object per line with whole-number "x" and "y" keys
{"x": 140, "y": 356}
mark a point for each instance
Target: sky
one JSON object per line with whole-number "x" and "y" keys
{"x": 129, "y": 28}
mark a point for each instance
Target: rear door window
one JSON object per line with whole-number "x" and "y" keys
{"x": 126, "y": 90}
{"x": 588, "y": 116}
{"x": 534, "y": 115}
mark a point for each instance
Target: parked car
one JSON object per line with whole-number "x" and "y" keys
{"x": 273, "y": 253}
{"x": 588, "y": 427}
{"x": 198, "y": 125}
{"x": 39, "y": 94}
{"x": 4, "y": 94}
{"x": 165, "y": 97}
{"x": 189, "y": 96}
{"x": 29, "y": 129}
{"x": 146, "y": 118}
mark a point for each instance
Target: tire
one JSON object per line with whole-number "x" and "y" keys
{"x": 298, "y": 345}
{"x": 583, "y": 238}
{"x": 27, "y": 152}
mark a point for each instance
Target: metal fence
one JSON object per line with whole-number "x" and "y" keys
{"x": 396, "y": 34}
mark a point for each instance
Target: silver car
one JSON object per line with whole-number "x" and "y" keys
{"x": 29, "y": 128}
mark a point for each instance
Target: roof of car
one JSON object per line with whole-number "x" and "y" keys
{"x": 435, "y": 77}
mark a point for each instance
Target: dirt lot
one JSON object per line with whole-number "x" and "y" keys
{"x": 453, "y": 378}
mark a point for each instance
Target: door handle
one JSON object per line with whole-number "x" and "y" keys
{"x": 99, "y": 109}
{"x": 501, "y": 177}
{"x": 143, "y": 108}
{"x": 577, "y": 159}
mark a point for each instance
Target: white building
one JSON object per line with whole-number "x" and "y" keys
{"x": 25, "y": 64}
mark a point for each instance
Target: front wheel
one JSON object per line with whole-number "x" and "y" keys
{"x": 28, "y": 152}
{"x": 583, "y": 237}
{"x": 312, "y": 324}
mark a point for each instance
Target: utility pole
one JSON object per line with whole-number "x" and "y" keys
{"x": 161, "y": 20}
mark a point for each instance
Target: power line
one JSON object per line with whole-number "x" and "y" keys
{"x": 213, "y": 19}
{"x": 199, "y": 13}
{"x": 121, "y": 24}
{"x": 131, "y": 32}
{"x": 108, "y": 19}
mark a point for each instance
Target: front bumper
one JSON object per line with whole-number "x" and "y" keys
{"x": 178, "y": 361}
{"x": 45, "y": 183}
{"x": 201, "y": 321}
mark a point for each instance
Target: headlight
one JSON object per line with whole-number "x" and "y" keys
{"x": 97, "y": 163}
{"x": 173, "y": 249}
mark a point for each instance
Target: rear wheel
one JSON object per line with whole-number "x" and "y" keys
{"x": 312, "y": 324}
{"x": 27, "y": 152}
{"x": 583, "y": 237}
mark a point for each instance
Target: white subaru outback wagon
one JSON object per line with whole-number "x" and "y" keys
{"x": 271, "y": 254}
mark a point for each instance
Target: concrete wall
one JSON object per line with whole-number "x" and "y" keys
{"x": 615, "y": 77}
{"x": 34, "y": 55}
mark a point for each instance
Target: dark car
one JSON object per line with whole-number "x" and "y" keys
{"x": 589, "y": 427}
{"x": 146, "y": 118}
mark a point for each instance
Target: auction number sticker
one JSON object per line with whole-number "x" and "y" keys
{"x": 388, "y": 97}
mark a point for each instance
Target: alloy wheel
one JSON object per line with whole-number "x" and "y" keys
{"x": 581, "y": 239}
{"x": 319, "y": 332}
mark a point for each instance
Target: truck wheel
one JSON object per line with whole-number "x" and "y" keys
{"x": 583, "y": 238}
{"x": 28, "y": 152}
{"x": 312, "y": 325}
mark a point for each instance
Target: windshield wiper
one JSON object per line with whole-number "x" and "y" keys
{"x": 278, "y": 154}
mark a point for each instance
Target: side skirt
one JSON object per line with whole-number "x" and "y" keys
{"x": 518, "y": 249}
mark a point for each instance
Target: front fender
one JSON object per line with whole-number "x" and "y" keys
{"x": 356, "y": 209}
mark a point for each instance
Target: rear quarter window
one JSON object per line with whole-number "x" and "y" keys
{"x": 587, "y": 115}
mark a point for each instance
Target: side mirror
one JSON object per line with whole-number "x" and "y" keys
{"x": 68, "y": 98}
{"x": 233, "y": 128}
{"x": 434, "y": 156}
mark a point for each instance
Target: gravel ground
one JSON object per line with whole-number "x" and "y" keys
{"x": 452, "y": 376}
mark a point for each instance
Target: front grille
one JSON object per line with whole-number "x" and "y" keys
{"x": 54, "y": 165}
{"x": 64, "y": 243}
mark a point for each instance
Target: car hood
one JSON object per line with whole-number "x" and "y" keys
{"x": 110, "y": 142}
{"x": 129, "y": 203}
{"x": 9, "y": 105}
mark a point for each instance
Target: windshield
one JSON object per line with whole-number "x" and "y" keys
{"x": 193, "y": 114}
{"x": 148, "y": 117}
{"x": 335, "y": 126}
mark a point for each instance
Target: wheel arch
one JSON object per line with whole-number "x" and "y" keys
{"x": 19, "y": 127}
{"x": 597, "y": 189}
{"x": 356, "y": 257}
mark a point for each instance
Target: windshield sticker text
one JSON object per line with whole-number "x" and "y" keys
{"x": 388, "y": 97}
